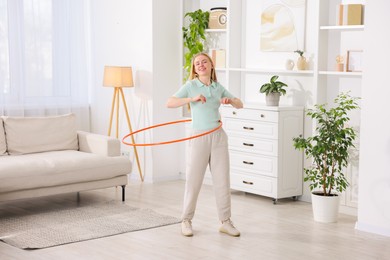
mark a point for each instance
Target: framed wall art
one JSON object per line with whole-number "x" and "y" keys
{"x": 282, "y": 25}
{"x": 273, "y": 28}
{"x": 354, "y": 60}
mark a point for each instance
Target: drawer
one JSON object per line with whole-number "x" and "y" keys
{"x": 254, "y": 145}
{"x": 250, "y": 114}
{"x": 261, "y": 185}
{"x": 256, "y": 164}
{"x": 251, "y": 128}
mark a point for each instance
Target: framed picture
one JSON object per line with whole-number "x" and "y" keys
{"x": 282, "y": 25}
{"x": 354, "y": 60}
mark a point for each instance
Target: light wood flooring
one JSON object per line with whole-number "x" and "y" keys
{"x": 282, "y": 231}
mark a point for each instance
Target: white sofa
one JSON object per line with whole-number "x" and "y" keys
{"x": 42, "y": 156}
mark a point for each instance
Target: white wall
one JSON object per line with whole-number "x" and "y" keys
{"x": 166, "y": 81}
{"x": 120, "y": 35}
{"x": 374, "y": 179}
{"x": 145, "y": 35}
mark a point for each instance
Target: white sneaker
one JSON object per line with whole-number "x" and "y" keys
{"x": 186, "y": 228}
{"x": 228, "y": 228}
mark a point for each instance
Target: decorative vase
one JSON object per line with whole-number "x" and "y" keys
{"x": 272, "y": 99}
{"x": 325, "y": 208}
{"x": 289, "y": 64}
{"x": 340, "y": 67}
{"x": 301, "y": 63}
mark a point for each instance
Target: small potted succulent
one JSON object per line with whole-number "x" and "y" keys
{"x": 301, "y": 62}
{"x": 273, "y": 90}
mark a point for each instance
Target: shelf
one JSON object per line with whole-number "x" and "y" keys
{"x": 338, "y": 73}
{"x": 255, "y": 70}
{"x": 343, "y": 27}
{"x": 215, "y": 30}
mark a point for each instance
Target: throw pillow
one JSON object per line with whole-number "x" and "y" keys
{"x": 40, "y": 134}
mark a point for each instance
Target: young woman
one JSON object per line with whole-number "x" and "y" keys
{"x": 205, "y": 95}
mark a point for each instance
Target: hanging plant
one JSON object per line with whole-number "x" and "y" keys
{"x": 194, "y": 36}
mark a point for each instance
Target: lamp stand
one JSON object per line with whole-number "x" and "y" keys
{"x": 115, "y": 104}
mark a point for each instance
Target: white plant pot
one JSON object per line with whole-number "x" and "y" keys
{"x": 325, "y": 208}
{"x": 272, "y": 99}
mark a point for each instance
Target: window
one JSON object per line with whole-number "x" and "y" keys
{"x": 43, "y": 61}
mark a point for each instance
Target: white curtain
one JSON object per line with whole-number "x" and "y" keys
{"x": 43, "y": 58}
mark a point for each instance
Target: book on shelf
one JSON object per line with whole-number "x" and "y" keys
{"x": 350, "y": 14}
{"x": 219, "y": 57}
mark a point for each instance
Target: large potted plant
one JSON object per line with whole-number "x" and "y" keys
{"x": 194, "y": 36}
{"x": 273, "y": 90}
{"x": 329, "y": 149}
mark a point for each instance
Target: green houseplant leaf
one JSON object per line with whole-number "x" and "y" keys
{"x": 273, "y": 86}
{"x": 329, "y": 147}
{"x": 194, "y": 36}
{"x": 299, "y": 52}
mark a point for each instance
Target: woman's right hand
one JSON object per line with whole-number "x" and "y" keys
{"x": 198, "y": 98}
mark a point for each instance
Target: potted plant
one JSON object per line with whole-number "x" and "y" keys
{"x": 273, "y": 90}
{"x": 194, "y": 36}
{"x": 329, "y": 148}
{"x": 301, "y": 62}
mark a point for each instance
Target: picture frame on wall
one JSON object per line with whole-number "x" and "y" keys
{"x": 273, "y": 29}
{"x": 282, "y": 25}
{"x": 354, "y": 60}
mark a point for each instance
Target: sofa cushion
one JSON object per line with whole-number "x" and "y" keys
{"x": 40, "y": 170}
{"x": 3, "y": 145}
{"x": 26, "y": 135}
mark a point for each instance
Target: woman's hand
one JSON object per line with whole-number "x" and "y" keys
{"x": 225, "y": 101}
{"x": 200, "y": 98}
{"x": 235, "y": 102}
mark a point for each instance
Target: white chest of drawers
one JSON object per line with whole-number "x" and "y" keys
{"x": 263, "y": 160}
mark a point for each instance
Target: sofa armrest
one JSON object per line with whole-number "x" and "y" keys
{"x": 98, "y": 144}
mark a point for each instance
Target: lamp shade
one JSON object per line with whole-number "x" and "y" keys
{"x": 115, "y": 76}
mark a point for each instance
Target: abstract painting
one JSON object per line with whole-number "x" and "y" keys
{"x": 282, "y": 25}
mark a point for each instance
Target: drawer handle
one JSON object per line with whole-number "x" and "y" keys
{"x": 250, "y": 163}
{"x": 248, "y": 128}
{"x": 234, "y": 112}
{"x": 246, "y": 144}
{"x": 262, "y": 115}
{"x": 247, "y": 182}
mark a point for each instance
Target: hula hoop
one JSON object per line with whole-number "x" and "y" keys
{"x": 168, "y": 142}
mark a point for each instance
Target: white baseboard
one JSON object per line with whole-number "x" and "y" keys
{"x": 348, "y": 210}
{"x": 372, "y": 229}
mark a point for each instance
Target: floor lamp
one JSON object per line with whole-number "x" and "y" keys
{"x": 118, "y": 78}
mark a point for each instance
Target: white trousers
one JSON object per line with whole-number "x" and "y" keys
{"x": 208, "y": 150}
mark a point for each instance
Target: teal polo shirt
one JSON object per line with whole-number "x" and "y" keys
{"x": 204, "y": 116}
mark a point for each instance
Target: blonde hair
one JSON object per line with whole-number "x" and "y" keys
{"x": 193, "y": 74}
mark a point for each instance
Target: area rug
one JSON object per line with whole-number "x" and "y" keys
{"x": 58, "y": 227}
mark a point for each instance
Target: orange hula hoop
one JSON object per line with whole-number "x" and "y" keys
{"x": 168, "y": 142}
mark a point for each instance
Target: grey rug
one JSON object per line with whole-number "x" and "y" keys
{"x": 57, "y": 227}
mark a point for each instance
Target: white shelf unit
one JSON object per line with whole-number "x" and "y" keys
{"x": 216, "y": 30}
{"x": 336, "y": 40}
{"x": 236, "y": 73}
{"x": 342, "y": 27}
{"x": 321, "y": 83}
{"x": 272, "y": 71}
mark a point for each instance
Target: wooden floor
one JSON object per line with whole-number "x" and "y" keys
{"x": 282, "y": 231}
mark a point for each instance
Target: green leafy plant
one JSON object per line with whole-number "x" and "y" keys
{"x": 194, "y": 35}
{"x": 300, "y": 52}
{"x": 273, "y": 86}
{"x": 329, "y": 147}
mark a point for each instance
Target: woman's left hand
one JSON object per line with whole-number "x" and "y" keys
{"x": 225, "y": 100}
